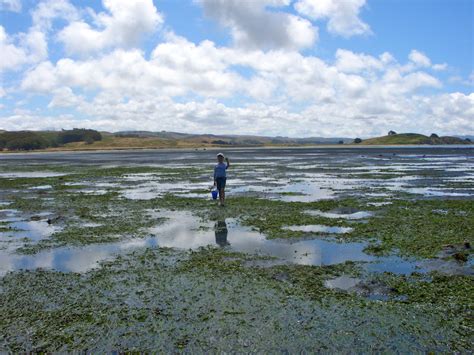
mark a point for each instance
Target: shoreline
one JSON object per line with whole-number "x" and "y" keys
{"x": 225, "y": 148}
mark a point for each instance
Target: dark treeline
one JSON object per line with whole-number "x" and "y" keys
{"x": 28, "y": 140}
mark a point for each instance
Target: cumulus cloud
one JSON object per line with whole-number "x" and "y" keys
{"x": 342, "y": 15}
{"x": 253, "y": 25}
{"x": 10, "y": 5}
{"x": 32, "y": 46}
{"x": 46, "y": 12}
{"x": 419, "y": 58}
{"x": 356, "y": 94}
{"x": 123, "y": 25}
{"x": 27, "y": 48}
{"x": 348, "y": 61}
{"x": 261, "y": 84}
{"x": 113, "y": 113}
{"x": 440, "y": 67}
{"x": 12, "y": 56}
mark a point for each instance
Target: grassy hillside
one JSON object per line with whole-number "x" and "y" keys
{"x": 62, "y": 140}
{"x": 109, "y": 141}
{"x": 412, "y": 138}
{"x": 151, "y": 140}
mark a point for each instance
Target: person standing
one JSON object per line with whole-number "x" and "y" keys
{"x": 220, "y": 176}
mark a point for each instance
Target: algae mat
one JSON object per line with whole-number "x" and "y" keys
{"x": 340, "y": 250}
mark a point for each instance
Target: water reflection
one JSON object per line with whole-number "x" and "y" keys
{"x": 183, "y": 230}
{"x": 220, "y": 232}
{"x": 32, "y": 230}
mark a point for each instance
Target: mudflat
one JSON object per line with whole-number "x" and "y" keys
{"x": 336, "y": 249}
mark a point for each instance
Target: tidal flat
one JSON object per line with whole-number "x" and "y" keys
{"x": 329, "y": 249}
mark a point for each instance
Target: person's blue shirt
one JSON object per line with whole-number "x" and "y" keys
{"x": 220, "y": 170}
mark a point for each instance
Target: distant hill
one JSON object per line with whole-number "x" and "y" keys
{"x": 86, "y": 139}
{"x": 413, "y": 138}
{"x": 231, "y": 139}
{"x": 470, "y": 137}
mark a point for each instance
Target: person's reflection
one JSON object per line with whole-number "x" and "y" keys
{"x": 221, "y": 233}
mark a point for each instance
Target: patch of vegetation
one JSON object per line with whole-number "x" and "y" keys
{"x": 453, "y": 294}
{"x": 22, "y": 140}
{"x": 78, "y": 135}
{"x": 28, "y": 140}
{"x": 412, "y": 228}
{"x": 211, "y": 300}
{"x": 169, "y": 301}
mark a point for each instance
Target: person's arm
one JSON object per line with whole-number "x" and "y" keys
{"x": 228, "y": 163}
{"x": 215, "y": 183}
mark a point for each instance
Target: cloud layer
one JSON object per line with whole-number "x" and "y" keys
{"x": 260, "y": 83}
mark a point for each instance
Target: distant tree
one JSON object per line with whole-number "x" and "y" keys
{"x": 220, "y": 141}
{"x": 27, "y": 142}
{"x": 392, "y": 133}
{"x": 89, "y": 140}
{"x": 467, "y": 140}
{"x": 340, "y": 142}
{"x": 434, "y": 135}
{"x": 357, "y": 140}
{"x": 22, "y": 140}
{"x": 78, "y": 135}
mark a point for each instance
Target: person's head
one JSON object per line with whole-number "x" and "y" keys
{"x": 220, "y": 158}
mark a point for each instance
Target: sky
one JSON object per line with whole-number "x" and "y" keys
{"x": 296, "y": 68}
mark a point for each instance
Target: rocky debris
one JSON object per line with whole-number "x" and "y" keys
{"x": 459, "y": 252}
{"x": 54, "y": 220}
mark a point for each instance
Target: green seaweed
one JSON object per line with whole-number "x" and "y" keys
{"x": 164, "y": 300}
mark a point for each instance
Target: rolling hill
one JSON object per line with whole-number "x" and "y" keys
{"x": 413, "y": 138}
{"x": 62, "y": 140}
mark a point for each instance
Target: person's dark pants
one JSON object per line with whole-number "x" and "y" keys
{"x": 220, "y": 183}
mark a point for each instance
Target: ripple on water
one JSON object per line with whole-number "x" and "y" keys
{"x": 341, "y": 213}
{"x": 318, "y": 228}
{"x": 31, "y": 174}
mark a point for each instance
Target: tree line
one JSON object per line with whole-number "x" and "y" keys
{"x": 28, "y": 140}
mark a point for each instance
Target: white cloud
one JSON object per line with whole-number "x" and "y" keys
{"x": 65, "y": 97}
{"x": 32, "y": 46}
{"x": 440, "y": 67}
{"x": 36, "y": 45}
{"x": 10, "y": 5}
{"x": 451, "y": 113}
{"x": 343, "y": 15}
{"x": 253, "y": 26}
{"x": 29, "y": 48}
{"x": 262, "y": 84}
{"x": 351, "y": 62}
{"x": 457, "y": 79}
{"x": 123, "y": 25}
{"x": 12, "y": 56}
{"x": 357, "y": 94}
{"x": 47, "y": 11}
{"x": 113, "y": 113}
{"x": 41, "y": 79}
{"x": 419, "y": 58}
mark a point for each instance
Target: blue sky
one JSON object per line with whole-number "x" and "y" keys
{"x": 267, "y": 67}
